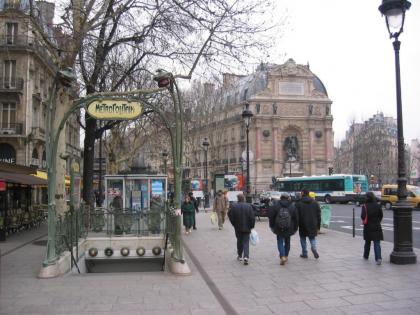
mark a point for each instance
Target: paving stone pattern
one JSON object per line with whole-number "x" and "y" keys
{"x": 339, "y": 282}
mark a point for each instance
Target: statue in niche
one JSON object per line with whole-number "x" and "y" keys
{"x": 275, "y": 109}
{"x": 311, "y": 109}
{"x": 291, "y": 147}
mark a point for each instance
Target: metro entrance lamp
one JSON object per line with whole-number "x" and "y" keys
{"x": 394, "y": 12}
{"x": 247, "y": 116}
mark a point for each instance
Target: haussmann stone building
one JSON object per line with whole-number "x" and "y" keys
{"x": 290, "y": 133}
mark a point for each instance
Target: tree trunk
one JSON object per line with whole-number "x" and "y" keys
{"x": 88, "y": 160}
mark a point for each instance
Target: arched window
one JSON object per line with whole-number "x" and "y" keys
{"x": 7, "y": 153}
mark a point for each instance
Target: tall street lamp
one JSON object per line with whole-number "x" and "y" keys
{"x": 247, "y": 116}
{"x": 394, "y": 11}
{"x": 205, "y": 145}
{"x": 379, "y": 175}
{"x": 165, "y": 161}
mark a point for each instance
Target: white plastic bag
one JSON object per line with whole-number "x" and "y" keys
{"x": 213, "y": 218}
{"x": 254, "y": 238}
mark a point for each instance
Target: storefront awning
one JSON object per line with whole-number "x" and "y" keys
{"x": 44, "y": 175}
{"x": 22, "y": 179}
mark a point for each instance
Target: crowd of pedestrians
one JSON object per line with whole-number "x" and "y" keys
{"x": 286, "y": 217}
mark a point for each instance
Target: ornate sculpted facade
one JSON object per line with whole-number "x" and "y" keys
{"x": 290, "y": 133}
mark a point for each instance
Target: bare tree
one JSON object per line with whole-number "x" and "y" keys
{"x": 127, "y": 37}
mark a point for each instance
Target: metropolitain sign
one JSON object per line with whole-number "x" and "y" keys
{"x": 114, "y": 109}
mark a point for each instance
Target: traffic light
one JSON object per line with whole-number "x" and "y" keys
{"x": 330, "y": 170}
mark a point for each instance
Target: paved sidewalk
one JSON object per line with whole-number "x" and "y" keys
{"x": 340, "y": 282}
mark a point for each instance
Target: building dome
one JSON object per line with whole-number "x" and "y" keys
{"x": 319, "y": 86}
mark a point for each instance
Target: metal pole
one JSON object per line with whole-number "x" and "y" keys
{"x": 165, "y": 169}
{"x": 403, "y": 233}
{"x": 206, "y": 192}
{"x": 354, "y": 223}
{"x": 100, "y": 169}
{"x": 248, "y": 182}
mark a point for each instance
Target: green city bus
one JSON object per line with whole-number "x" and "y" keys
{"x": 341, "y": 188}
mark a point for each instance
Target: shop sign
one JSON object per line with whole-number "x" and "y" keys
{"x": 2, "y": 186}
{"x": 114, "y": 109}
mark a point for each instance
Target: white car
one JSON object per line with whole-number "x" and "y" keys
{"x": 270, "y": 195}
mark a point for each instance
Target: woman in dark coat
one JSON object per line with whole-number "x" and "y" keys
{"x": 187, "y": 210}
{"x": 372, "y": 231}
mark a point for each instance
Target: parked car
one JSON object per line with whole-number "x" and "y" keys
{"x": 389, "y": 196}
{"x": 269, "y": 196}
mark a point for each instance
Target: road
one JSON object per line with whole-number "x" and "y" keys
{"x": 342, "y": 220}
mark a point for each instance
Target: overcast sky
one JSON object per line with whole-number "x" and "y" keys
{"x": 347, "y": 46}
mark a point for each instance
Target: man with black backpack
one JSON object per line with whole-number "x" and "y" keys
{"x": 283, "y": 220}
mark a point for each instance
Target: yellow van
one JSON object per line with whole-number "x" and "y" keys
{"x": 389, "y": 195}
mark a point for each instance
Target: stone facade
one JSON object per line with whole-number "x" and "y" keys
{"x": 29, "y": 63}
{"x": 414, "y": 165}
{"x": 370, "y": 148}
{"x": 290, "y": 133}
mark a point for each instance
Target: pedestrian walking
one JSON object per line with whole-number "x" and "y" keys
{"x": 220, "y": 206}
{"x": 187, "y": 210}
{"x": 309, "y": 216}
{"x": 241, "y": 216}
{"x": 195, "y": 203}
{"x": 284, "y": 222}
{"x": 372, "y": 230}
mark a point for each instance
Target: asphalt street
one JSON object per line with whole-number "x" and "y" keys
{"x": 342, "y": 220}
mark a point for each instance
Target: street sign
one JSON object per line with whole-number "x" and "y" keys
{"x": 251, "y": 155}
{"x": 114, "y": 109}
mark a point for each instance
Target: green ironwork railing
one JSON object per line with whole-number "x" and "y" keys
{"x": 130, "y": 222}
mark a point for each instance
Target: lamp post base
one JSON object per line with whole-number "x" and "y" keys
{"x": 401, "y": 258}
{"x": 403, "y": 253}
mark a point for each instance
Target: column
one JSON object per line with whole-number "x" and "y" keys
{"x": 311, "y": 157}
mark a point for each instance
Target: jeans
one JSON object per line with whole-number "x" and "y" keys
{"x": 312, "y": 241}
{"x": 242, "y": 244}
{"x": 283, "y": 245}
{"x": 376, "y": 249}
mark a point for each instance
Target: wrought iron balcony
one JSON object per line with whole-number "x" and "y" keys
{"x": 13, "y": 84}
{"x": 10, "y": 129}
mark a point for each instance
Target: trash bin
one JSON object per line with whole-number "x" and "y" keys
{"x": 325, "y": 215}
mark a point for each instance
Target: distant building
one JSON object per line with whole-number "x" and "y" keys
{"x": 370, "y": 148}
{"x": 29, "y": 63}
{"x": 414, "y": 164}
{"x": 290, "y": 134}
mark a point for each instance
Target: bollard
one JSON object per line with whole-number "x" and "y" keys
{"x": 354, "y": 224}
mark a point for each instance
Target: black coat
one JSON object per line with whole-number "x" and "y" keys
{"x": 272, "y": 213}
{"x": 242, "y": 217}
{"x": 372, "y": 231}
{"x": 309, "y": 213}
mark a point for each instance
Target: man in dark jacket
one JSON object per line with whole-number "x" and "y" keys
{"x": 283, "y": 211}
{"x": 309, "y": 213}
{"x": 242, "y": 217}
{"x": 195, "y": 203}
